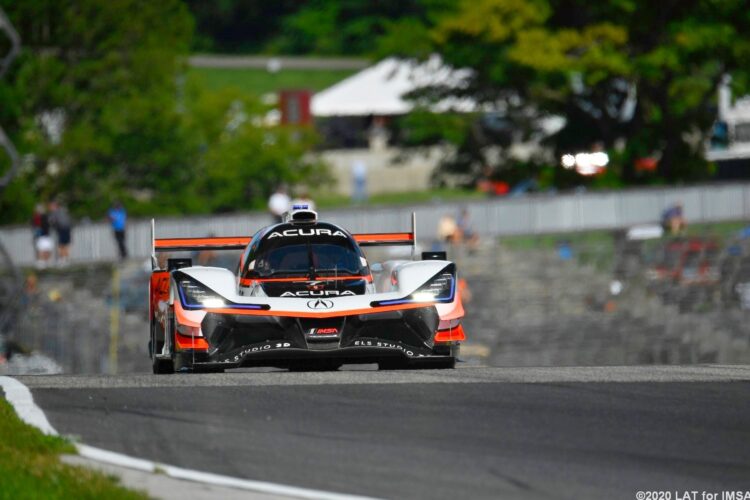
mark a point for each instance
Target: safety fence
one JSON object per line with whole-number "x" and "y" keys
{"x": 531, "y": 214}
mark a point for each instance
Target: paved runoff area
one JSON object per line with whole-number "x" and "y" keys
{"x": 473, "y": 432}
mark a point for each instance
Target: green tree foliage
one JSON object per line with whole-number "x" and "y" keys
{"x": 229, "y": 26}
{"x": 352, "y": 27}
{"x": 106, "y": 72}
{"x": 242, "y": 162}
{"x": 632, "y": 70}
{"x": 99, "y": 105}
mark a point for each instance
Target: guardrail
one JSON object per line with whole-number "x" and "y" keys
{"x": 535, "y": 214}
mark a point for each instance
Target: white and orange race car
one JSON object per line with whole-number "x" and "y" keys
{"x": 304, "y": 297}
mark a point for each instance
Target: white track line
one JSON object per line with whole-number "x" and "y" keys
{"x": 19, "y": 396}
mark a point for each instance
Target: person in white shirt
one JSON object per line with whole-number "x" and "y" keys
{"x": 279, "y": 203}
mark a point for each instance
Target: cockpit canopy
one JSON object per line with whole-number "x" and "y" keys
{"x": 303, "y": 251}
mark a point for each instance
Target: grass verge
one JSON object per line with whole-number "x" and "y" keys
{"x": 30, "y": 466}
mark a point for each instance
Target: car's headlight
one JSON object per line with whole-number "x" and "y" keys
{"x": 440, "y": 288}
{"x": 193, "y": 295}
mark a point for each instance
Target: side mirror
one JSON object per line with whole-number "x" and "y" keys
{"x": 376, "y": 267}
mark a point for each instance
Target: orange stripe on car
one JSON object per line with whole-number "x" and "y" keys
{"x": 382, "y": 237}
{"x": 218, "y": 242}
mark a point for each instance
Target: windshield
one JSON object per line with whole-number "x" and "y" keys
{"x": 305, "y": 256}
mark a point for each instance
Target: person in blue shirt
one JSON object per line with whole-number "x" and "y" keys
{"x": 118, "y": 217}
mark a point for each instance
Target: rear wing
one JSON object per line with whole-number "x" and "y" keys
{"x": 390, "y": 239}
{"x": 240, "y": 242}
{"x": 193, "y": 244}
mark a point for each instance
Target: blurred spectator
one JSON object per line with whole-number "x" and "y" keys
{"x": 447, "y": 230}
{"x": 44, "y": 243}
{"x": 673, "y": 220}
{"x": 466, "y": 233}
{"x": 278, "y": 203}
{"x": 206, "y": 257}
{"x": 359, "y": 180}
{"x": 59, "y": 219}
{"x": 36, "y": 225}
{"x": 303, "y": 198}
{"x": 564, "y": 250}
{"x": 118, "y": 217}
{"x": 378, "y": 134}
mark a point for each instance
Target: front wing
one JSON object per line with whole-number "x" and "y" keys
{"x": 235, "y": 340}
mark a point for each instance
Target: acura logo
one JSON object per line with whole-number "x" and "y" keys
{"x": 319, "y": 304}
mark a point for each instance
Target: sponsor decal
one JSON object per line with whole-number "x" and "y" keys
{"x": 317, "y": 293}
{"x": 388, "y": 345}
{"x": 305, "y": 232}
{"x": 259, "y": 348}
{"x": 323, "y": 333}
{"x": 319, "y": 304}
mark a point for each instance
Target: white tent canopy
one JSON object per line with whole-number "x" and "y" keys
{"x": 380, "y": 89}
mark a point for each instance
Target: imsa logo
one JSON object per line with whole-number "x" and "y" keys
{"x": 318, "y": 293}
{"x": 305, "y": 232}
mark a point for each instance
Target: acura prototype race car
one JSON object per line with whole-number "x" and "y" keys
{"x": 304, "y": 297}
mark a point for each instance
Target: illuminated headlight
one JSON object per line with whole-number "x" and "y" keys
{"x": 441, "y": 288}
{"x": 195, "y": 295}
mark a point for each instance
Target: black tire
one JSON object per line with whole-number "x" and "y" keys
{"x": 159, "y": 366}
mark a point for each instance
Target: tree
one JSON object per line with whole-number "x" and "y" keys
{"x": 620, "y": 70}
{"x": 100, "y": 106}
{"x": 94, "y": 97}
{"x": 242, "y": 161}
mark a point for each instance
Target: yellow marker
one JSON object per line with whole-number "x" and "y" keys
{"x": 114, "y": 321}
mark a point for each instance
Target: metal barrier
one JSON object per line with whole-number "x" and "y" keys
{"x": 534, "y": 214}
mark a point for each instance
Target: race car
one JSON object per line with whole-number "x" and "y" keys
{"x": 304, "y": 296}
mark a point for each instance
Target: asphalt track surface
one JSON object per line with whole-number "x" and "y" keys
{"x": 465, "y": 433}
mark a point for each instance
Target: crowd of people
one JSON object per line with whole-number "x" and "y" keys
{"x": 52, "y": 232}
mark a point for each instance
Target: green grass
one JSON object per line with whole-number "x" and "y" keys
{"x": 405, "y": 198}
{"x": 260, "y": 81}
{"x": 724, "y": 231}
{"x": 30, "y": 466}
{"x": 602, "y": 238}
